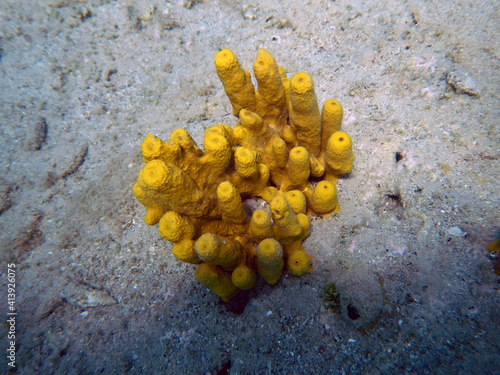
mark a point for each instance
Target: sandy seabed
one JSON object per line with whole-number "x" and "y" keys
{"x": 97, "y": 290}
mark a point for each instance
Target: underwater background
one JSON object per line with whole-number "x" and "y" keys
{"x": 405, "y": 275}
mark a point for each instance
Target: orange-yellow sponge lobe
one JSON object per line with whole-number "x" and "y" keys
{"x": 284, "y": 218}
{"x": 226, "y": 64}
{"x": 297, "y": 201}
{"x": 287, "y": 229}
{"x": 217, "y": 148}
{"x": 156, "y": 175}
{"x": 271, "y": 94}
{"x": 171, "y": 187}
{"x": 280, "y": 151}
{"x": 236, "y": 81}
{"x": 323, "y": 199}
{"x": 268, "y": 76}
{"x": 243, "y": 277}
{"x": 494, "y": 249}
{"x": 218, "y": 250}
{"x": 305, "y": 117}
{"x": 216, "y": 280}
{"x": 152, "y": 148}
{"x": 280, "y": 208}
{"x": 184, "y": 251}
{"x": 302, "y": 92}
{"x": 299, "y": 263}
{"x": 331, "y": 120}
{"x": 339, "y": 155}
{"x": 270, "y": 260}
{"x": 175, "y": 228}
{"x": 154, "y": 209}
{"x": 260, "y": 224}
{"x": 245, "y": 161}
{"x": 298, "y": 167}
{"x": 305, "y": 224}
{"x": 250, "y": 120}
{"x": 230, "y": 203}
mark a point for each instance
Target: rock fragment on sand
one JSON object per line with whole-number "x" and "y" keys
{"x": 462, "y": 82}
{"x": 86, "y": 297}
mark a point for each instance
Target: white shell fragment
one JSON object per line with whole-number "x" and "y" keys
{"x": 457, "y": 232}
{"x": 462, "y": 82}
{"x": 86, "y": 297}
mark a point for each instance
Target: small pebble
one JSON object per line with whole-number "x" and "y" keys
{"x": 249, "y": 12}
{"x": 37, "y": 134}
{"x": 457, "y": 232}
{"x": 462, "y": 82}
{"x": 472, "y": 311}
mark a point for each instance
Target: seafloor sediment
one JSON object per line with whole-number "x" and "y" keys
{"x": 97, "y": 290}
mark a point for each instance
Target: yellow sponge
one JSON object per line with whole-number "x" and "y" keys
{"x": 297, "y": 201}
{"x": 216, "y": 280}
{"x": 175, "y": 228}
{"x": 331, "y": 120}
{"x": 270, "y": 260}
{"x": 241, "y": 204}
{"x": 260, "y": 224}
{"x": 230, "y": 204}
{"x": 270, "y": 94}
{"x": 305, "y": 117}
{"x": 243, "y": 277}
{"x": 323, "y": 198}
{"x": 299, "y": 263}
{"x": 218, "y": 250}
{"x": 237, "y": 82}
{"x": 339, "y": 155}
{"x": 184, "y": 251}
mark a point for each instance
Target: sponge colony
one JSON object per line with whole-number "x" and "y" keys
{"x": 283, "y": 149}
